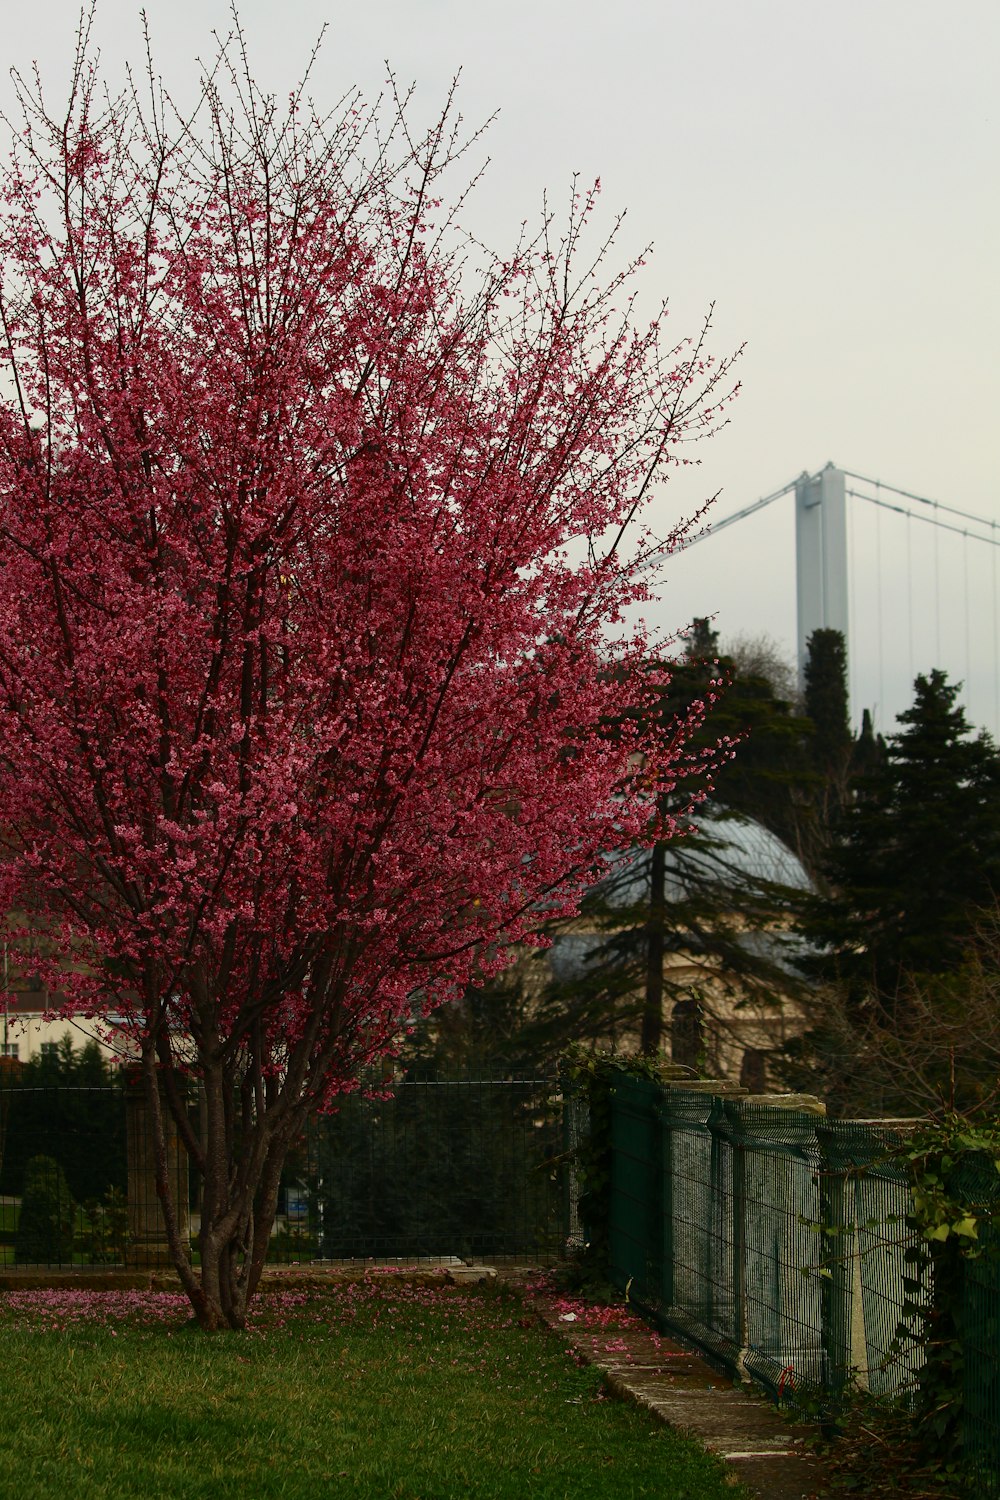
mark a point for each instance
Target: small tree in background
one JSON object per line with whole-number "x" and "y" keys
{"x": 45, "y": 1228}
{"x": 673, "y": 952}
{"x": 826, "y": 705}
{"x": 760, "y": 656}
{"x": 69, "y": 1067}
{"x": 313, "y": 525}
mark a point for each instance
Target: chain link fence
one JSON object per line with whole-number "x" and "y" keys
{"x": 468, "y": 1168}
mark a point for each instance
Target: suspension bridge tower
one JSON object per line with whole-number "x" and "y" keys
{"x": 820, "y": 556}
{"x": 823, "y": 552}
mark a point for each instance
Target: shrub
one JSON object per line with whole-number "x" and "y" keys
{"x": 294, "y": 1244}
{"x": 105, "y": 1234}
{"x": 48, "y": 1214}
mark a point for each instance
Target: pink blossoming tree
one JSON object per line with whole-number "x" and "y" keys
{"x": 312, "y": 523}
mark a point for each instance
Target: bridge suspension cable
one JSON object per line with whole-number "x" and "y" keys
{"x": 901, "y": 510}
{"x": 938, "y": 505}
{"x": 715, "y": 527}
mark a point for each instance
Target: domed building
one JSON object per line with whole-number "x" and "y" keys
{"x": 730, "y": 996}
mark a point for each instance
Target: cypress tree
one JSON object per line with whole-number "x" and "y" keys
{"x": 826, "y": 705}
{"x": 48, "y": 1214}
{"x": 868, "y": 753}
{"x": 702, "y": 641}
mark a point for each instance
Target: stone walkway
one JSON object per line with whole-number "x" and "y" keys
{"x": 764, "y": 1451}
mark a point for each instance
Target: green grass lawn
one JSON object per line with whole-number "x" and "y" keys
{"x": 381, "y": 1389}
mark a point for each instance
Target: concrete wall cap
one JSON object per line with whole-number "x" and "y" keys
{"x": 807, "y": 1102}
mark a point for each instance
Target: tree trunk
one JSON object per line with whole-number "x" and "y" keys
{"x": 241, "y": 1180}
{"x": 652, "y": 1011}
{"x": 234, "y": 1249}
{"x": 246, "y": 1122}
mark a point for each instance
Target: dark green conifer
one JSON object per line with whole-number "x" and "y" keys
{"x": 826, "y": 705}
{"x": 916, "y": 857}
{"x": 48, "y": 1215}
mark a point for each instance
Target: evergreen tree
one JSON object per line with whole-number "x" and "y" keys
{"x": 64, "y": 1100}
{"x": 67, "y": 1066}
{"x": 486, "y": 1032}
{"x": 701, "y": 644}
{"x": 48, "y": 1213}
{"x": 697, "y": 898}
{"x": 917, "y": 855}
{"x": 826, "y": 705}
{"x": 769, "y": 778}
{"x": 868, "y": 753}
{"x": 713, "y": 903}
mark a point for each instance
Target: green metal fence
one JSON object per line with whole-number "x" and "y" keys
{"x": 981, "y": 1342}
{"x": 777, "y": 1240}
{"x": 63, "y": 1175}
{"x": 469, "y": 1169}
{"x": 772, "y": 1237}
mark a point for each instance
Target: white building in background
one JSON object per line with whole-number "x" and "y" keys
{"x": 26, "y": 1034}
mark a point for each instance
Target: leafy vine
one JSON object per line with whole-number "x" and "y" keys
{"x": 954, "y": 1169}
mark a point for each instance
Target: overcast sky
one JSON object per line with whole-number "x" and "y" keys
{"x": 828, "y": 175}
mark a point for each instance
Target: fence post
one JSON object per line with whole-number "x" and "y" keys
{"x": 739, "y": 1124}
{"x": 634, "y": 1220}
{"x": 844, "y": 1346}
{"x": 731, "y": 1207}
{"x": 665, "y": 1236}
{"x": 148, "y": 1245}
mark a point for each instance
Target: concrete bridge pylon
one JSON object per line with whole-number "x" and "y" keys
{"x": 820, "y": 556}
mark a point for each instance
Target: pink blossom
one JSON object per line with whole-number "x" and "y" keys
{"x": 313, "y": 551}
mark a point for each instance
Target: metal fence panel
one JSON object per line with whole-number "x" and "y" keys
{"x": 981, "y": 1348}
{"x": 700, "y": 1198}
{"x": 778, "y": 1325}
{"x": 635, "y": 1214}
{"x": 468, "y": 1168}
{"x": 873, "y": 1333}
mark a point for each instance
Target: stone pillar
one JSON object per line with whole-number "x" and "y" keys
{"x": 148, "y": 1244}
{"x": 768, "y": 1158}
{"x": 859, "y": 1180}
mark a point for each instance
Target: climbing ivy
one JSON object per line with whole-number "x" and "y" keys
{"x": 954, "y": 1169}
